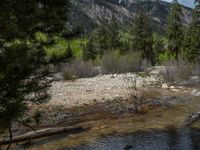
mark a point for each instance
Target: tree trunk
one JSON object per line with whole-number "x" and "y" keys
{"x": 11, "y": 136}
{"x": 41, "y": 133}
{"x": 192, "y": 118}
{"x": 177, "y": 53}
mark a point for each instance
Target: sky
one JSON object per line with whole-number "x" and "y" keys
{"x": 188, "y": 3}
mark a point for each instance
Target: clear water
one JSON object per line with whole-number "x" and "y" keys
{"x": 182, "y": 139}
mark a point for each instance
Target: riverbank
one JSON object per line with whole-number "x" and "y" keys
{"x": 104, "y": 123}
{"x": 163, "y": 107}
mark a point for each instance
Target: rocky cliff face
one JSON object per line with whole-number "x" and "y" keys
{"x": 87, "y": 13}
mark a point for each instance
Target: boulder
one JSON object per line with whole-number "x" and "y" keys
{"x": 172, "y": 87}
{"x": 175, "y": 90}
{"x": 165, "y": 86}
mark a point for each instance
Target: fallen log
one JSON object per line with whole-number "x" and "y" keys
{"x": 42, "y": 133}
{"x": 192, "y": 118}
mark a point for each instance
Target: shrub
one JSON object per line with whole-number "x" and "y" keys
{"x": 140, "y": 93}
{"x": 169, "y": 73}
{"x": 131, "y": 62}
{"x": 110, "y": 63}
{"x": 84, "y": 69}
{"x": 113, "y": 62}
{"x": 79, "y": 69}
{"x": 133, "y": 91}
{"x": 177, "y": 71}
{"x": 68, "y": 74}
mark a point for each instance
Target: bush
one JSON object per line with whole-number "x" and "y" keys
{"x": 79, "y": 69}
{"x": 110, "y": 63}
{"x": 131, "y": 62}
{"x": 177, "y": 71}
{"x": 69, "y": 74}
{"x": 113, "y": 62}
{"x": 139, "y": 94}
{"x": 84, "y": 69}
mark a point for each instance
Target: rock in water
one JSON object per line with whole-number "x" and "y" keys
{"x": 128, "y": 147}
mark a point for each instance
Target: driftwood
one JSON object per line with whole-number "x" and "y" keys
{"x": 42, "y": 133}
{"x": 192, "y": 118}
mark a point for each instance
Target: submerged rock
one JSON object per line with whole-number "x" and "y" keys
{"x": 128, "y": 147}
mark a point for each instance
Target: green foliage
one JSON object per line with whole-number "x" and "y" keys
{"x": 164, "y": 57}
{"x": 89, "y": 52}
{"x": 106, "y": 36}
{"x": 24, "y": 34}
{"x": 158, "y": 48}
{"x": 69, "y": 51}
{"x": 113, "y": 34}
{"x": 143, "y": 37}
{"x": 59, "y": 50}
{"x": 175, "y": 33}
{"x": 193, "y": 39}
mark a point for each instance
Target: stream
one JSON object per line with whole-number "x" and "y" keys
{"x": 172, "y": 139}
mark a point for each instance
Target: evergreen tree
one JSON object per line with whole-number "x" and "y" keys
{"x": 89, "y": 51}
{"x": 158, "y": 47}
{"x": 113, "y": 39}
{"x": 193, "y": 49}
{"x": 143, "y": 37}
{"x": 175, "y": 33}
{"x": 106, "y": 36}
{"x": 69, "y": 51}
{"x": 22, "y": 57}
{"x": 100, "y": 36}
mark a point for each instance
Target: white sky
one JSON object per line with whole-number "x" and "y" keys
{"x": 189, "y": 3}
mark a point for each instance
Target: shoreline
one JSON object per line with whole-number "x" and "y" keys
{"x": 163, "y": 108}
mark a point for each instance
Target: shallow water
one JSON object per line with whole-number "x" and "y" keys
{"x": 182, "y": 139}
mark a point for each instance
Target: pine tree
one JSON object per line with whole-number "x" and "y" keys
{"x": 113, "y": 39}
{"x": 143, "y": 37}
{"x": 69, "y": 51}
{"x": 89, "y": 51}
{"x": 100, "y": 36}
{"x": 175, "y": 33}
{"x": 22, "y": 56}
{"x": 158, "y": 47}
{"x": 106, "y": 36}
{"x": 193, "y": 49}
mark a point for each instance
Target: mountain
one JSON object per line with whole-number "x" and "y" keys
{"x": 88, "y": 13}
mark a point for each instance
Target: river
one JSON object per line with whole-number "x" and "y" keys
{"x": 173, "y": 139}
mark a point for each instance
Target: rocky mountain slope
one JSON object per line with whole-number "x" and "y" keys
{"x": 87, "y": 13}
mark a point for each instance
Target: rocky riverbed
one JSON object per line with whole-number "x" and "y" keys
{"x": 106, "y": 98}
{"x": 88, "y": 90}
{"x": 110, "y": 94}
